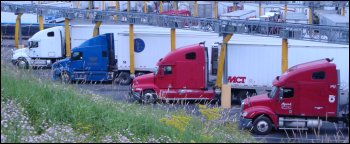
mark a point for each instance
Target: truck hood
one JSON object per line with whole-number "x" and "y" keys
{"x": 144, "y": 79}
{"x": 259, "y": 100}
{"x": 61, "y": 63}
{"x": 22, "y": 52}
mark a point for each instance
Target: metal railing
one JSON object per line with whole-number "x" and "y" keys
{"x": 319, "y": 33}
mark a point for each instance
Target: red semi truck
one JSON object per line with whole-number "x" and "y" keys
{"x": 301, "y": 98}
{"x": 181, "y": 75}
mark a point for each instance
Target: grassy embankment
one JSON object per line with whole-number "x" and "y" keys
{"x": 50, "y": 103}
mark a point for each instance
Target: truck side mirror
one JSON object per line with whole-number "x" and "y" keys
{"x": 280, "y": 95}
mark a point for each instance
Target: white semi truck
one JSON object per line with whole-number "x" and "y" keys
{"x": 252, "y": 62}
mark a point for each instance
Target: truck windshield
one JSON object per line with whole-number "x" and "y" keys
{"x": 273, "y": 92}
{"x": 156, "y": 71}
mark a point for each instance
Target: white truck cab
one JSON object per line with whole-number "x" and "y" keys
{"x": 44, "y": 48}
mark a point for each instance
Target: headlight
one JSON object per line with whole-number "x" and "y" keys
{"x": 243, "y": 114}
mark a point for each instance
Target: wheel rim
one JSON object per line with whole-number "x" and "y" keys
{"x": 64, "y": 77}
{"x": 262, "y": 126}
{"x": 148, "y": 97}
{"x": 22, "y": 64}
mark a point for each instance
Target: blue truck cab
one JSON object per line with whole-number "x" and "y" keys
{"x": 93, "y": 60}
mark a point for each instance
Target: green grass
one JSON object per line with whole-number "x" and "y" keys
{"x": 53, "y": 102}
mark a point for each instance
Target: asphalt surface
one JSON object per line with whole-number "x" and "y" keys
{"x": 329, "y": 132}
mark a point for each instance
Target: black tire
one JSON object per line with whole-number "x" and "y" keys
{"x": 65, "y": 77}
{"x": 124, "y": 78}
{"x": 148, "y": 97}
{"x": 22, "y": 63}
{"x": 262, "y": 125}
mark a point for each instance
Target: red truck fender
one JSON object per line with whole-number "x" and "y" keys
{"x": 256, "y": 111}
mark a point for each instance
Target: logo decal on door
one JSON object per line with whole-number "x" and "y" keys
{"x": 286, "y": 106}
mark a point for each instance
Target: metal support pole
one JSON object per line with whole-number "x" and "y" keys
{"x": 343, "y": 11}
{"x": 285, "y": 12}
{"x": 145, "y": 6}
{"x": 41, "y": 25}
{"x": 222, "y": 60}
{"x": 172, "y": 39}
{"x": 103, "y": 5}
{"x": 78, "y": 4}
{"x": 175, "y": 5}
{"x": 284, "y": 54}
{"x": 131, "y": 48}
{"x": 97, "y": 28}
{"x": 128, "y": 8}
{"x": 67, "y": 35}
{"x": 18, "y": 29}
{"x": 260, "y": 10}
{"x": 310, "y": 15}
{"x": 116, "y": 8}
{"x": 195, "y": 9}
{"x": 160, "y": 6}
{"x": 216, "y": 9}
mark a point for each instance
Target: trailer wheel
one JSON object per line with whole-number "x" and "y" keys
{"x": 262, "y": 125}
{"x": 148, "y": 97}
{"x": 124, "y": 78}
{"x": 22, "y": 63}
{"x": 65, "y": 77}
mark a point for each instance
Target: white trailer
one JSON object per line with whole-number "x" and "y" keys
{"x": 151, "y": 45}
{"x": 252, "y": 62}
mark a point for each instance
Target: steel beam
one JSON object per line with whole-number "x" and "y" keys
{"x": 18, "y": 29}
{"x": 131, "y": 48}
{"x": 160, "y": 6}
{"x": 175, "y": 5}
{"x": 195, "y": 11}
{"x": 222, "y": 60}
{"x": 285, "y": 11}
{"x": 173, "y": 39}
{"x": 67, "y": 35}
{"x": 310, "y": 15}
{"x": 116, "y": 9}
{"x": 97, "y": 28}
{"x": 260, "y": 11}
{"x": 145, "y": 6}
{"x": 284, "y": 55}
{"x": 128, "y": 6}
{"x": 215, "y": 9}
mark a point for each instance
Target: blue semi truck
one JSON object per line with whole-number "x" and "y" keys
{"x": 93, "y": 60}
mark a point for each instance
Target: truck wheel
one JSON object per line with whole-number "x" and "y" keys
{"x": 124, "y": 78}
{"x": 262, "y": 125}
{"x": 148, "y": 97}
{"x": 65, "y": 78}
{"x": 22, "y": 63}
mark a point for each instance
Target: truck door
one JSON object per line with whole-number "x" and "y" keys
{"x": 76, "y": 64}
{"x": 287, "y": 100}
{"x": 165, "y": 79}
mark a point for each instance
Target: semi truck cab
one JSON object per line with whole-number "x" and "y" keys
{"x": 301, "y": 98}
{"x": 93, "y": 60}
{"x": 44, "y": 48}
{"x": 181, "y": 75}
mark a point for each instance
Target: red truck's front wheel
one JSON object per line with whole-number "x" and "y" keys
{"x": 262, "y": 125}
{"x": 148, "y": 97}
